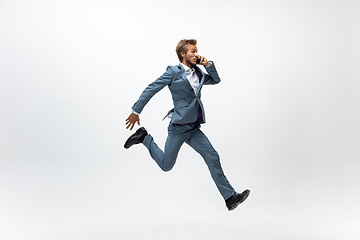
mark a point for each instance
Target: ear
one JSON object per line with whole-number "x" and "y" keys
{"x": 182, "y": 54}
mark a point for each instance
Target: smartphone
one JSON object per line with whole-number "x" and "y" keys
{"x": 198, "y": 61}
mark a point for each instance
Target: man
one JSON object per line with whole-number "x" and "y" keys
{"x": 185, "y": 82}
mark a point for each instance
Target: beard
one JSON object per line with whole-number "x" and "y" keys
{"x": 190, "y": 63}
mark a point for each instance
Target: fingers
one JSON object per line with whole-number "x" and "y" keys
{"x": 131, "y": 120}
{"x": 203, "y": 61}
{"x": 130, "y": 125}
{"x": 127, "y": 123}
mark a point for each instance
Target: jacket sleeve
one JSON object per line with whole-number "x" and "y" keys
{"x": 212, "y": 77}
{"x": 152, "y": 89}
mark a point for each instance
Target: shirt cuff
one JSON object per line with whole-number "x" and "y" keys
{"x": 135, "y": 112}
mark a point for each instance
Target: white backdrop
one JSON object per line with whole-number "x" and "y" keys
{"x": 284, "y": 119}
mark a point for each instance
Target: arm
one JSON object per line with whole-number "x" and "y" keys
{"x": 146, "y": 95}
{"x": 212, "y": 77}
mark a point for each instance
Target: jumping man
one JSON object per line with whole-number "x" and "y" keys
{"x": 185, "y": 82}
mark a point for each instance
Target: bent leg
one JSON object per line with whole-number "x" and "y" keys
{"x": 166, "y": 160}
{"x": 201, "y": 144}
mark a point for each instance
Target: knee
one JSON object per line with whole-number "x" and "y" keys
{"x": 167, "y": 168}
{"x": 168, "y": 163}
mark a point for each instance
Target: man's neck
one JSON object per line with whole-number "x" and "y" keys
{"x": 188, "y": 65}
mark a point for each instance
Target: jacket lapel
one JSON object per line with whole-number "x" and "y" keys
{"x": 201, "y": 79}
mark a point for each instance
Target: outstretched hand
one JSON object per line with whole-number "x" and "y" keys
{"x": 131, "y": 120}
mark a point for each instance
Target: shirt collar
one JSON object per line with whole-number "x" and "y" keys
{"x": 187, "y": 69}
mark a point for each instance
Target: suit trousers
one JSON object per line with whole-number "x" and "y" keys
{"x": 194, "y": 137}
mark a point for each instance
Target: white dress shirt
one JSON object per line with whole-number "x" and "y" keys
{"x": 192, "y": 77}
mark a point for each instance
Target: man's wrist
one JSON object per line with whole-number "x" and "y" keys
{"x": 209, "y": 64}
{"x": 135, "y": 112}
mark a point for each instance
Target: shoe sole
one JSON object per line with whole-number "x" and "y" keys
{"x": 242, "y": 200}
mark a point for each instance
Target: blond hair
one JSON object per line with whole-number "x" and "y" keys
{"x": 182, "y": 47}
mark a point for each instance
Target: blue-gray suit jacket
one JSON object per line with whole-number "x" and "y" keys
{"x": 187, "y": 104}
